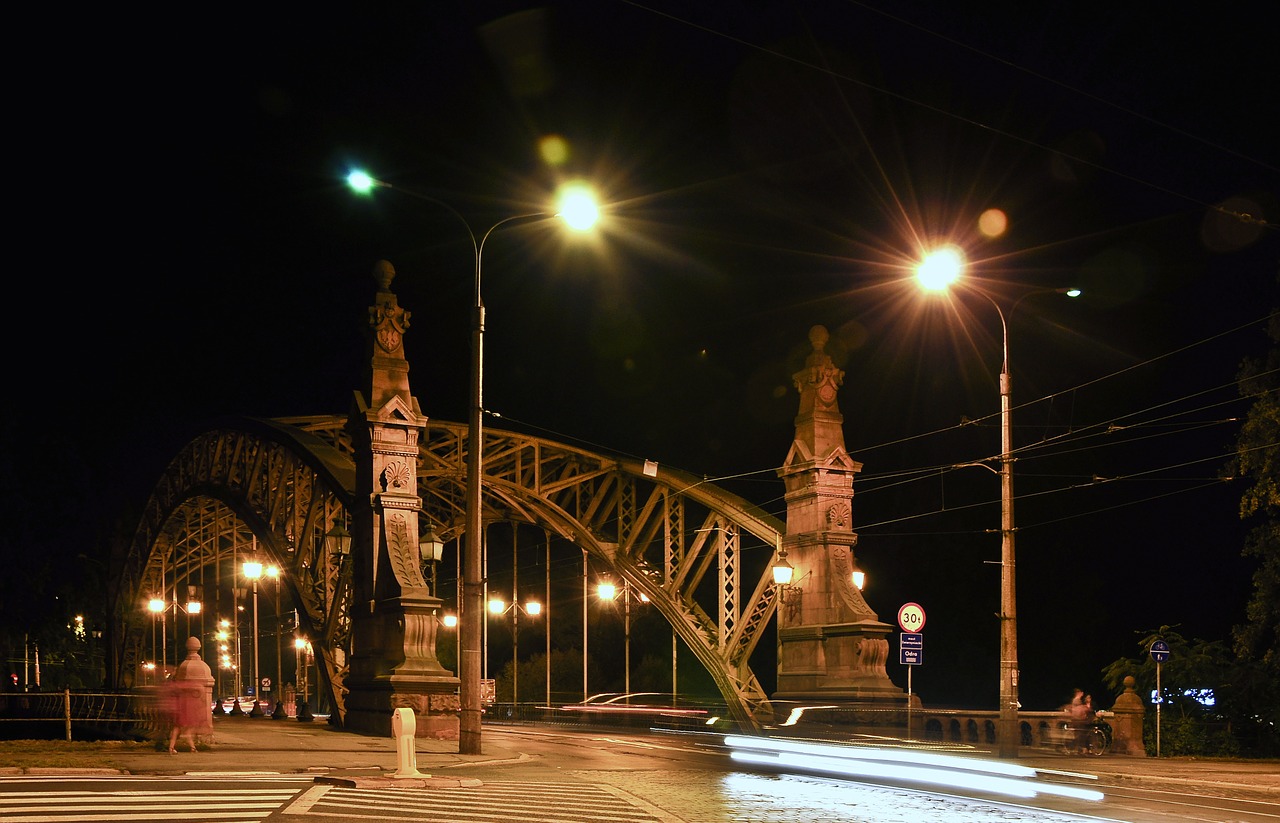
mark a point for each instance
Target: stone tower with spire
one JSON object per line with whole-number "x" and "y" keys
{"x": 393, "y": 610}
{"x": 831, "y": 645}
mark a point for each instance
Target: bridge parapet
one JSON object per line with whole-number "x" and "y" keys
{"x": 958, "y": 727}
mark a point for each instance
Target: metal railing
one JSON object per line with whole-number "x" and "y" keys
{"x": 86, "y": 715}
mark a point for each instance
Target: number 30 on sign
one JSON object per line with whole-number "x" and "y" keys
{"x": 911, "y": 617}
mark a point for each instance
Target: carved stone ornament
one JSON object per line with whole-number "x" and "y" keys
{"x": 389, "y": 322}
{"x": 838, "y": 515}
{"x": 402, "y": 552}
{"x": 395, "y": 476}
{"x": 819, "y": 369}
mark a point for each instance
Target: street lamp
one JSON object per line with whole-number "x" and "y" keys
{"x": 224, "y": 653}
{"x": 157, "y": 606}
{"x": 431, "y": 549}
{"x": 273, "y": 573}
{"x": 578, "y": 209}
{"x": 253, "y": 570}
{"x": 935, "y": 273}
{"x": 532, "y": 608}
{"x": 302, "y": 654}
{"x": 607, "y": 590}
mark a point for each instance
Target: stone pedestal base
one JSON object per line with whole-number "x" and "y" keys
{"x": 834, "y": 675}
{"x": 370, "y": 708}
{"x": 840, "y": 662}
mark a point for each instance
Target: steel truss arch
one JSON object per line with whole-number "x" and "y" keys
{"x": 247, "y": 484}
{"x": 699, "y": 553}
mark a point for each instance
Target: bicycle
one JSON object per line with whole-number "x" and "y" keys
{"x": 1094, "y": 741}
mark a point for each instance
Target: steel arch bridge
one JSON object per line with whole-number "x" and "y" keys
{"x": 279, "y": 486}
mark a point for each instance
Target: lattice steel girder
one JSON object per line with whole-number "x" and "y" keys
{"x": 283, "y": 486}
{"x": 288, "y": 481}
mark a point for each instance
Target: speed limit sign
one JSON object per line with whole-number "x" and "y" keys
{"x": 911, "y": 617}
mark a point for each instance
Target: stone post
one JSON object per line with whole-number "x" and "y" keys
{"x": 194, "y": 674}
{"x": 1126, "y": 722}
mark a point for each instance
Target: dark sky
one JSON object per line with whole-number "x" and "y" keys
{"x": 768, "y": 167}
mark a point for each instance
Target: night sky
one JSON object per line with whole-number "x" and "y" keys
{"x": 767, "y": 167}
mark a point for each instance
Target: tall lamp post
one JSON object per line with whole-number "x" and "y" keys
{"x": 253, "y": 570}
{"x": 157, "y": 607}
{"x": 608, "y": 590}
{"x": 578, "y": 209}
{"x": 935, "y": 273}
{"x": 278, "y": 713}
{"x": 532, "y": 608}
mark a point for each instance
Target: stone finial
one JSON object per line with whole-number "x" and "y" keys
{"x": 818, "y": 337}
{"x": 193, "y": 646}
{"x": 818, "y": 381}
{"x": 383, "y": 274}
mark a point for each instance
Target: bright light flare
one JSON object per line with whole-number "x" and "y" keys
{"x": 900, "y": 765}
{"x": 577, "y": 206}
{"x": 533, "y": 608}
{"x": 554, "y": 150}
{"x": 361, "y": 182}
{"x": 252, "y": 569}
{"x": 155, "y": 605}
{"x": 450, "y": 621}
{"x": 993, "y": 223}
{"x": 940, "y": 268}
{"x": 606, "y": 591}
{"x": 497, "y": 606}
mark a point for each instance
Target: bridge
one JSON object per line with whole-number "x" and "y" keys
{"x": 274, "y": 489}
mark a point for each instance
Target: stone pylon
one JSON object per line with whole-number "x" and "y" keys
{"x": 393, "y": 610}
{"x": 832, "y": 647}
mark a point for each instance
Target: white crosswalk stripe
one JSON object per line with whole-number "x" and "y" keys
{"x": 251, "y": 805}
{"x": 531, "y": 801}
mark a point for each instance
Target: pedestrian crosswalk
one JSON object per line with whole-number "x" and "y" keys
{"x": 187, "y": 803}
{"x": 299, "y": 800}
{"x": 546, "y": 802}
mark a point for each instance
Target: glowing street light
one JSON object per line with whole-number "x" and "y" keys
{"x": 607, "y": 590}
{"x": 577, "y": 208}
{"x": 498, "y": 608}
{"x": 936, "y": 272}
{"x": 157, "y": 606}
{"x": 253, "y": 570}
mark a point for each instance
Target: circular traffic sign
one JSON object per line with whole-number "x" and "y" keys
{"x": 1159, "y": 651}
{"x": 911, "y": 617}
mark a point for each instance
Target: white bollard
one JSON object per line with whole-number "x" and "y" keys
{"x": 403, "y": 727}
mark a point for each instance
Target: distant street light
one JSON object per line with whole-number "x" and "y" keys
{"x": 302, "y": 654}
{"x": 937, "y": 272}
{"x": 253, "y": 570}
{"x": 156, "y": 606}
{"x": 273, "y": 574}
{"x": 608, "y": 591}
{"x": 498, "y": 608}
{"x": 578, "y": 209}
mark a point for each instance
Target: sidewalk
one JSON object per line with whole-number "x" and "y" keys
{"x": 243, "y": 745}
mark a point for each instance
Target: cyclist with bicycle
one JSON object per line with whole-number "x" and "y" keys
{"x": 1081, "y": 718}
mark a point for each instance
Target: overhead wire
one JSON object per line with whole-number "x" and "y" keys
{"x": 1058, "y": 151}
